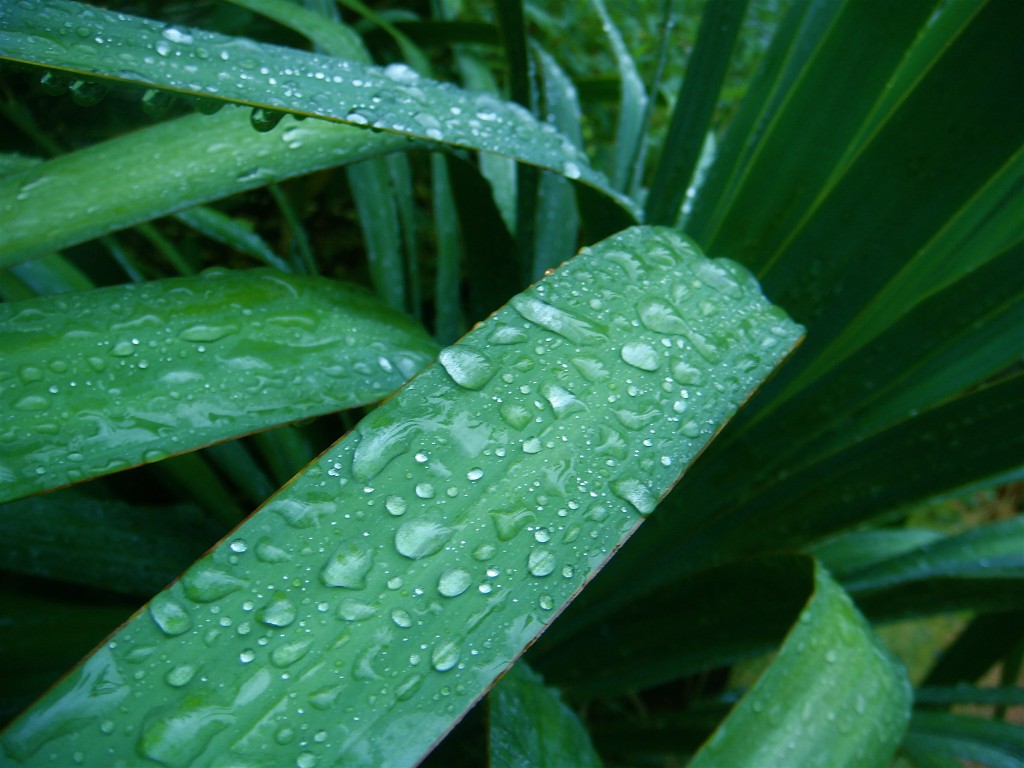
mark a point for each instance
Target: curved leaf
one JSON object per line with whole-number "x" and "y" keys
{"x": 394, "y": 99}
{"x": 101, "y": 380}
{"x": 403, "y": 571}
{"x": 832, "y": 697}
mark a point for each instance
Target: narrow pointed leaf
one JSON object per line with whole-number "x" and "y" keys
{"x": 961, "y": 737}
{"x": 394, "y": 99}
{"x": 629, "y": 134}
{"x": 832, "y": 683}
{"x": 230, "y": 232}
{"x": 986, "y": 640}
{"x": 421, "y": 554}
{"x": 102, "y": 380}
{"x": 531, "y": 726}
{"x": 695, "y": 105}
{"x": 108, "y": 544}
{"x": 166, "y": 168}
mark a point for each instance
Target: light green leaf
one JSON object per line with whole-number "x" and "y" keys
{"x": 531, "y": 726}
{"x": 415, "y": 560}
{"x": 394, "y": 99}
{"x": 832, "y": 697}
{"x": 166, "y": 168}
{"x": 98, "y": 381}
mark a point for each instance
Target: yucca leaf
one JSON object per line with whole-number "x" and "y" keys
{"x": 858, "y": 550}
{"x": 629, "y": 133}
{"x": 721, "y": 615}
{"x": 986, "y": 640}
{"x": 961, "y": 737}
{"x": 109, "y": 544}
{"x": 230, "y": 232}
{"x": 408, "y": 567}
{"x": 98, "y": 381}
{"x": 968, "y": 694}
{"x": 710, "y": 619}
{"x": 980, "y": 570}
{"x": 531, "y": 726}
{"x": 825, "y": 107}
{"x": 394, "y": 99}
{"x": 832, "y": 683}
{"x": 694, "y": 107}
{"x": 168, "y": 167}
{"x": 41, "y": 636}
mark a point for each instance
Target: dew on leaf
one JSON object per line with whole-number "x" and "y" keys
{"x": 454, "y": 582}
{"x": 421, "y": 537}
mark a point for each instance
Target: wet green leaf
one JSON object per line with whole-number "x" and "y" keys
{"x": 400, "y": 574}
{"x": 101, "y": 380}
{"x": 166, "y": 168}
{"x": 832, "y": 697}
{"x": 394, "y": 98}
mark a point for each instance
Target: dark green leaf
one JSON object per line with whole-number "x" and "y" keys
{"x": 531, "y": 726}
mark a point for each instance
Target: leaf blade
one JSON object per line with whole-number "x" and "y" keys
{"x": 461, "y": 419}
{"x": 176, "y": 353}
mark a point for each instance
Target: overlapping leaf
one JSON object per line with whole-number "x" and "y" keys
{"x": 394, "y": 99}
{"x": 401, "y": 573}
{"x": 98, "y": 381}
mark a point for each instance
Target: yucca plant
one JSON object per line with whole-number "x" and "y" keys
{"x": 205, "y": 288}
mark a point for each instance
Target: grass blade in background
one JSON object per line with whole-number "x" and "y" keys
{"x": 558, "y": 222}
{"x": 413, "y": 562}
{"x": 691, "y": 116}
{"x": 162, "y": 169}
{"x": 232, "y": 233}
{"x": 832, "y": 697}
{"x": 629, "y": 133}
{"x": 530, "y": 725}
{"x": 103, "y": 380}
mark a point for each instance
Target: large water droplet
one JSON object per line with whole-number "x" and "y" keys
{"x": 204, "y": 583}
{"x": 279, "y": 612}
{"x": 660, "y": 316}
{"x": 356, "y": 610}
{"x": 401, "y": 618}
{"x": 562, "y": 400}
{"x": 516, "y": 416}
{"x": 469, "y": 368}
{"x": 408, "y": 687}
{"x": 288, "y": 653}
{"x": 347, "y": 568}
{"x": 636, "y": 493}
{"x": 180, "y": 675}
{"x": 559, "y": 321}
{"x": 421, "y": 537}
{"x": 395, "y": 505}
{"x": 207, "y": 333}
{"x": 169, "y": 615}
{"x": 640, "y": 355}
{"x": 454, "y": 582}
{"x": 445, "y": 656}
{"x": 541, "y": 562}
{"x": 268, "y": 552}
{"x": 686, "y": 374}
